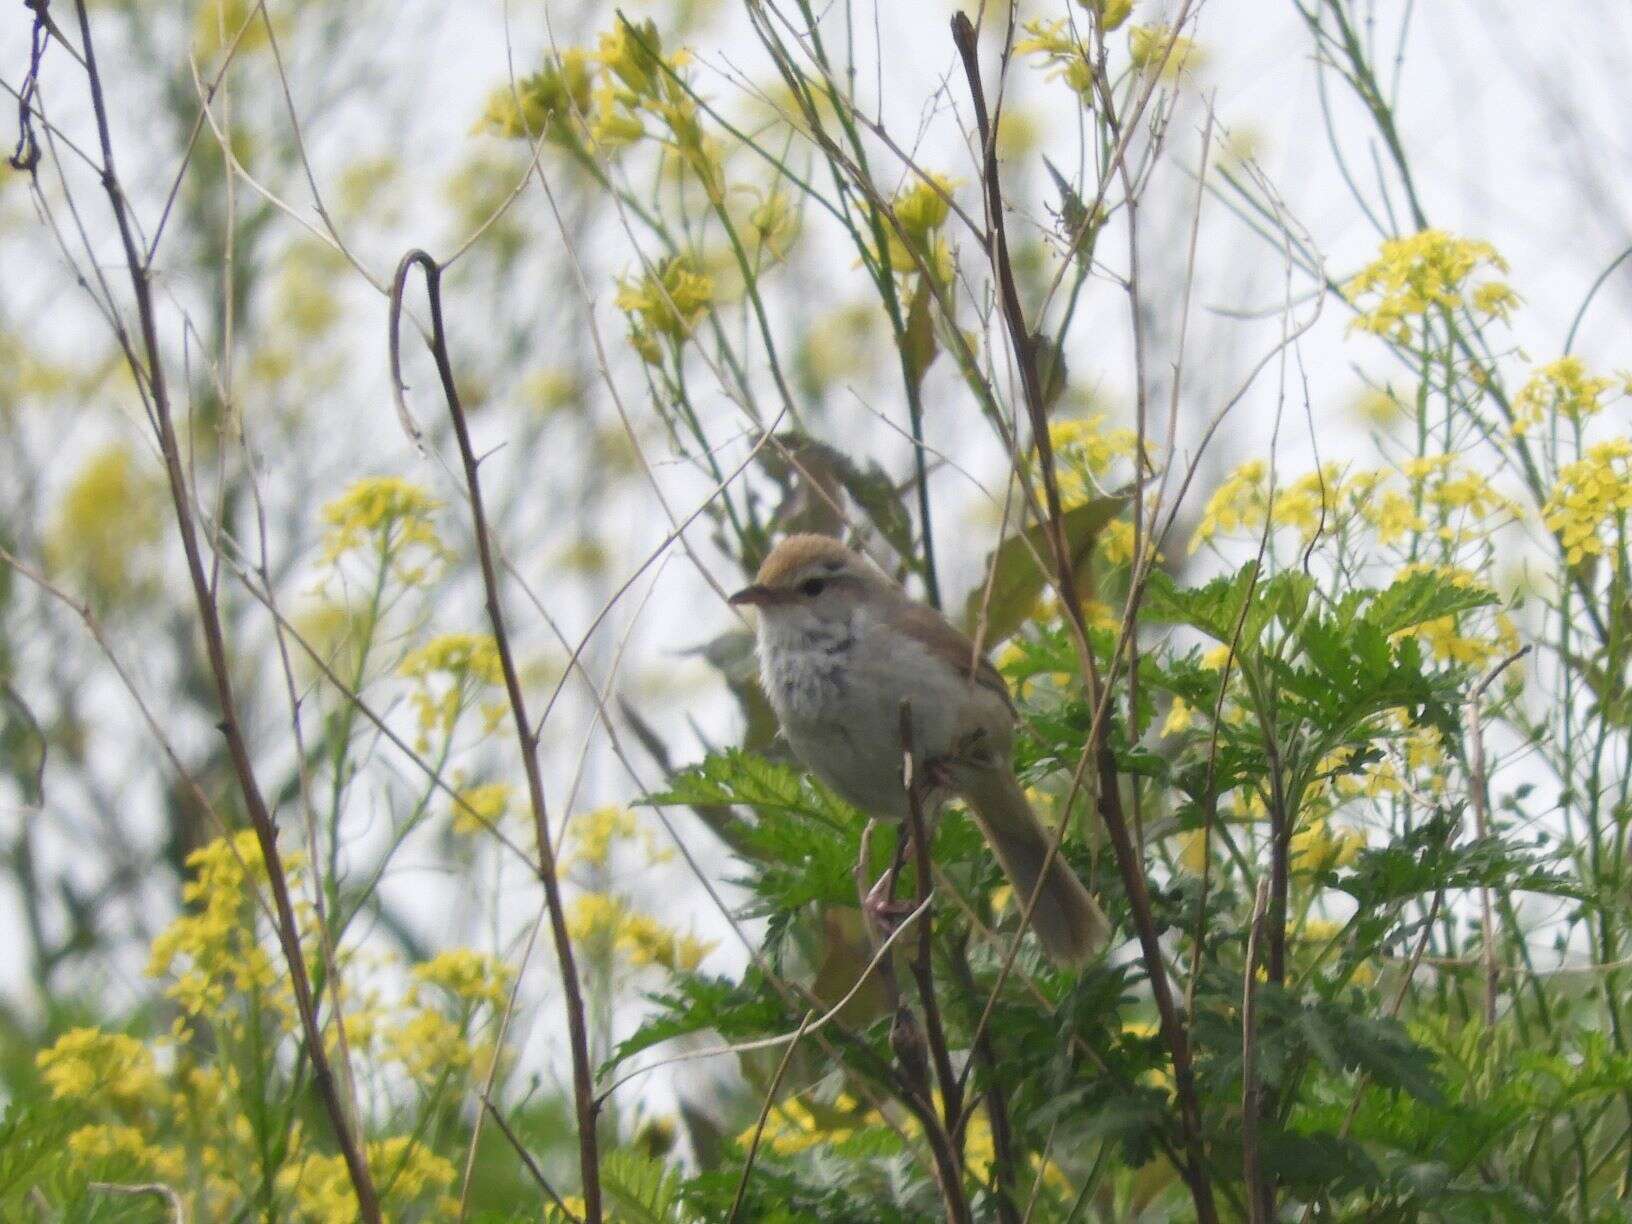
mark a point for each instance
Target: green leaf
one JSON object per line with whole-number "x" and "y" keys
{"x": 815, "y": 473}
{"x": 640, "y": 1189}
{"x": 918, "y": 346}
{"x": 1215, "y": 608}
{"x": 1423, "y": 861}
{"x": 699, "y": 1003}
{"x": 1051, "y": 370}
{"x": 1015, "y": 579}
{"x": 1420, "y": 597}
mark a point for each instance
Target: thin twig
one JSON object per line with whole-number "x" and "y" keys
{"x": 1251, "y": 1090}
{"x": 1479, "y": 795}
{"x": 922, "y": 966}
{"x": 765, "y": 1112}
{"x": 260, "y": 816}
{"x": 533, "y": 1170}
{"x": 1131, "y": 868}
{"x": 583, "y": 1089}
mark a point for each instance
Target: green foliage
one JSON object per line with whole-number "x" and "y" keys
{"x": 1012, "y": 583}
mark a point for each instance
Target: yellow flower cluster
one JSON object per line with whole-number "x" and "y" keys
{"x": 109, "y": 514}
{"x": 1592, "y": 493}
{"x": 87, "y": 1064}
{"x": 470, "y": 978}
{"x": 480, "y": 808}
{"x": 105, "y": 1147}
{"x": 547, "y": 103}
{"x": 1317, "y": 847}
{"x": 791, "y": 1127}
{"x": 123, "y": 1100}
{"x": 1067, "y": 59}
{"x": 387, "y": 517}
{"x": 213, "y": 952}
{"x": 1449, "y": 487}
{"x": 1160, "y": 49}
{"x": 1238, "y": 503}
{"x": 1116, "y": 543}
{"x": 448, "y": 671}
{"x": 1180, "y": 715}
{"x": 922, "y": 209}
{"x": 1562, "y": 388}
{"x": 1426, "y": 271}
{"x": 1446, "y": 637}
{"x": 668, "y": 300}
{"x": 408, "y": 1173}
{"x": 1084, "y": 443}
{"x": 1111, "y": 13}
{"x": 594, "y": 833}
{"x": 603, "y": 921}
{"x": 459, "y": 656}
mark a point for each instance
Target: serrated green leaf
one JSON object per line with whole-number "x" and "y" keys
{"x": 1420, "y": 597}
{"x": 1214, "y": 608}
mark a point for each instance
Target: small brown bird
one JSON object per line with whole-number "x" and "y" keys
{"x": 840, "y": 647}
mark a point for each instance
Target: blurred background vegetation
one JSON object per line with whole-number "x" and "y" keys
{"x": 1353, "y": 276}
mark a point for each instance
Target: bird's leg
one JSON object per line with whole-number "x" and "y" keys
{"x": 879, "y": 902}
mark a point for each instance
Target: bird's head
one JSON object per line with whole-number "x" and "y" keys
{"x": 810, "y": 580}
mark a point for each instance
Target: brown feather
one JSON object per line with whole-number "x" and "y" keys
{"x": 948, "y": 643}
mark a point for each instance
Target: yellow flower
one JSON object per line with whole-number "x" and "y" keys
{"x": 545, "y": 102}
{"x": 607, "y": 923}
{"x": 635, "y": 55}
{"x": 1315, "y": 848}
{"x": 449, "y": 669}
{"x": 668, "y": 300}
{"x": 1378, "y": 407}
{"x": 1214, "y": 657}
{"x": 1158, "y": 48}
{"x": 1116, "y": 543}
{"x": 1426, "y": 271}
{"x": 1112, "y": 13}
{"x": 1237, "y": 503}
{"x": 481, "y": 808}
{"x": 127, "y": 1149}
{"x": 217, "y": 22}
{"x": 924, "y": 207}
{"x": 1066, "y": 58}
{"x": 595, "y": 832}
{"x": 408, "y": 1174}
{"x": 86, "y": 1064}
{"x": 614, "y": 125}
{"x": 1179, "y": 717}
{"x": 468, "y": 976}
{"x": 1592, "y": 493}
{"x": 791, "y": 1127}
{"x": 1561, "y": 388}
{"x": 385, "y": 516}
{"x": 1392, "y": 516}
{"x": 774, "y": 221}
{"x": 108, "y": 517}
{"x": 1495, "y": 299}
{"x": 212, "y": 952}
{"x": 1308, "y": 502}
{"x": 429, "y": 1046}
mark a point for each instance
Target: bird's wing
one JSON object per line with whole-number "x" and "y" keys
{"x": 946, "y": 642}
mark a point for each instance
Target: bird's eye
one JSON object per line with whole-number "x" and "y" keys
{"x": 813, "y": 586}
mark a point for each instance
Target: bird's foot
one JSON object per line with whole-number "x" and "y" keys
{"x": 884, "y": 910}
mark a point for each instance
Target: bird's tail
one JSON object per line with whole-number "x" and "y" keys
{"x": 1066, "y": 918}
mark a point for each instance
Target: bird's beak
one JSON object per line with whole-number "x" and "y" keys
{"x": 754, "y": 596}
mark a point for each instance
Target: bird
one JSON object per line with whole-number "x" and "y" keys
{"x": 840, "y": 647}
